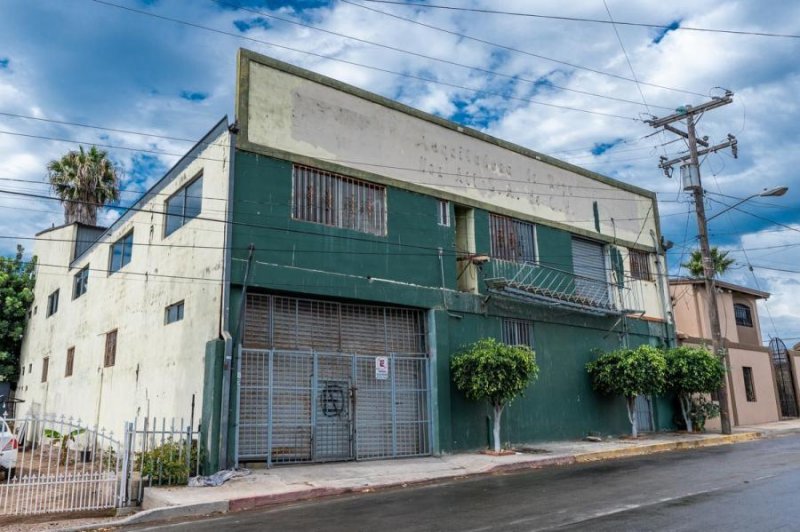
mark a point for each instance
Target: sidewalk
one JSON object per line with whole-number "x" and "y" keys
{"x": 265, "y": 487}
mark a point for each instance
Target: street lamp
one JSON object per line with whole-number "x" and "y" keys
{"x": 777, "y": 191}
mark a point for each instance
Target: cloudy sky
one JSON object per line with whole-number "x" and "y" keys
{"x": 166, "y": 68}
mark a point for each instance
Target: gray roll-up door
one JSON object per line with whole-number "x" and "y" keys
{"x": 589, "y": 265}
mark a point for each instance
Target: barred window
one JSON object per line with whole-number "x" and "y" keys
{"x": 640, "y": 265}
{"x": 512, "y": 240}
{"x": 517, "y": 332}
{"x": 744, "y": 316}
{"x": 338, "y": 201}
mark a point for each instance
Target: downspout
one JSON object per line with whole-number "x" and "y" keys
{"x": 237, "y": 337}
{"x": 222, "y": 455}
{"x": 662, "y": 289}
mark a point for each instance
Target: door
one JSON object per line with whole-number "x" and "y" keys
{"x": 644, "y": 413}
{"x": 589, "y": 265}
{"x": 311, "y": 389}
{"x": 783, "y": 377}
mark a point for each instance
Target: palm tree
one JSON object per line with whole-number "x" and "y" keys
{"x": 84, "y": 180}
{"x": 719, "y": 259}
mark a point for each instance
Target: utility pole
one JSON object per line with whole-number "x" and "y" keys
{"x": 690, "y": 173}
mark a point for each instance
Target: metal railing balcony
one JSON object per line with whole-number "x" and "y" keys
{"x": 559, "y": 287}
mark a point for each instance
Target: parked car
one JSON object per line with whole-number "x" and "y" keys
{"x": 8, "y": 449}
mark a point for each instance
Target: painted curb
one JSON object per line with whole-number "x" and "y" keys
{"x": 261, "y": 501}
{"x": 667, "y": 446}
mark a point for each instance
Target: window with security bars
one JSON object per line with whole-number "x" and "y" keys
{"x": 70, "y": 362}
{"x": 338, "y": 201}
{"x": 749, "y": 386}
{"x": 640, "y": 265}
{"x": 517, "y": 332}
{"x": 743, "y": 314}
{"x": 512, "y": 240}
{"x": 110, "y": 357}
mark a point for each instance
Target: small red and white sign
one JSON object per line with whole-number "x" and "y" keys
{"x": 381, "y": 368}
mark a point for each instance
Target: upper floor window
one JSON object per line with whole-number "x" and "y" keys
{"x": 338, "y": 201}
{"x": 517, "y": 332}
{"x": 640, "y": 265}
{"x": 81, "y": 282}
{"x": 512, "y": 240}
{"x": 121, "y": 252}
{"x": 45, "y": 368}
{"x": 744, "y": 316}
{"x": 52, "y": 303}
{"x": 173, "y": 313}
{"x": 184, "y": 205}
{"x": 444, "y": 213}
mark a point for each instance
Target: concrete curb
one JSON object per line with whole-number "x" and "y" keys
{"x": 260, "y": 501}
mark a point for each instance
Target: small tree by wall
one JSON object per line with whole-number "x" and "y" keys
{"x": 690, "y": 371}
{"x": 493, "y": 371}
{"x": 629, "y": 372}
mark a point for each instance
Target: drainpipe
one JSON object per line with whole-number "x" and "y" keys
{"x": 662, "y": 290}
{"x": 237, "y": 337}
{"x": 222, "y": 456}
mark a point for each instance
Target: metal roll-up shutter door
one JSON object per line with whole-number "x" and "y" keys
{"x": 589, "y": 265}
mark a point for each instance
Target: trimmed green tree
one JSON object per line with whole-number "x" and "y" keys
{"x": 690, "y": 371}
{"x": 629, "y": 373}
{"x": 17, "y": 278}
{"x": 495, "y": 372}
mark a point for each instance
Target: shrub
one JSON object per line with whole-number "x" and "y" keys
{"x": 498, "y": 373}
{"x": 629, "y": 372}
{"x": 167, "y": 464}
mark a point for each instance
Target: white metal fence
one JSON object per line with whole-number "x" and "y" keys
{"x": 62, "y": 465}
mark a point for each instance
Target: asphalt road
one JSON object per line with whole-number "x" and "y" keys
{"x": 749, "y": 486}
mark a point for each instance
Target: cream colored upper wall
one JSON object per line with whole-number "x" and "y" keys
{"x": 294, "y": 114}
{"x": 158, "y": 367}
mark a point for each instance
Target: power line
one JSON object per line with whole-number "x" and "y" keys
{"x": 584, "y": 19}
{"x": 361, "y": 65}
{"x": 428, "y": 57}
{"x": 517, "y": 50}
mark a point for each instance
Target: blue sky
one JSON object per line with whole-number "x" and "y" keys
{"x": 109, "y": 66}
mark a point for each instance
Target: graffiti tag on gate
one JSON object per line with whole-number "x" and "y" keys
{"x": 332, "y": 400}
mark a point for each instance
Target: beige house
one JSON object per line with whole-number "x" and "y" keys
{"x": 753, "y": 393}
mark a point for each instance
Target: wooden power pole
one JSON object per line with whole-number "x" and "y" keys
{"x": 690, "y": 173}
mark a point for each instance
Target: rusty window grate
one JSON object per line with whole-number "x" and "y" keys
{"x": 70, "y": 362}
{"x": 45, "y": 368}
{"x": 640, "y": 265}
{"x": 338, "y": 201}
{"x": 110, "y": 357}
{"x": 512, "y": 240}
{"x": 749, "y": 386}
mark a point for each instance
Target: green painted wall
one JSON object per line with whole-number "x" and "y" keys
{"x": 404, "y": 268}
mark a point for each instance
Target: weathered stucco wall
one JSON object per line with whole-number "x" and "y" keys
{"x": 286, "y": 111}
{"x": 159, "y": 367}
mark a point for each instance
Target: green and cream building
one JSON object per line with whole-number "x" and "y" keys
{"x": 336, "y": 248}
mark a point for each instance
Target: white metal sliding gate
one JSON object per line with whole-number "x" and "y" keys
{"x": 323, "y": 381}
